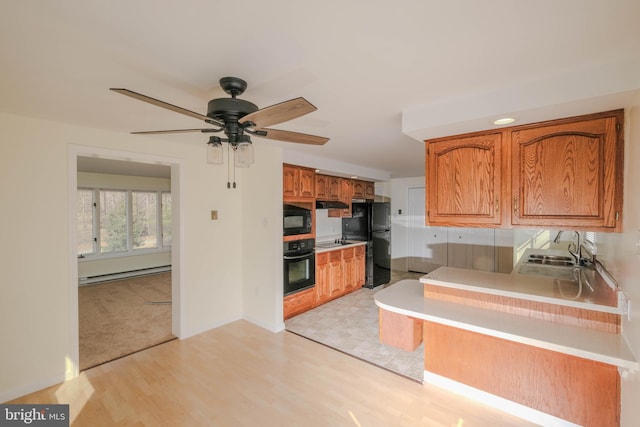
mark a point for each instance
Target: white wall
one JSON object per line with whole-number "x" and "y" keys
{"x": 621, "y": 256}
{"x": 37, "y": 349}
{"x": 262, "y": 240}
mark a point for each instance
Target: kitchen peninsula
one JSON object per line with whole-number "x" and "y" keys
{"x": 547, "y": 349}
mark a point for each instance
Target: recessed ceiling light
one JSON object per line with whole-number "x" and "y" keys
{"x": 354, "y": 177}
{"x": 504, "y": 121}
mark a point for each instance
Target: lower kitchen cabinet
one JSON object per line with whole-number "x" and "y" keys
{"x": 322, "y": 278}
{"x": 336, "y": 283}
{"x": 298, "y": 302}
{"x": 360, "y": 266}
{"x": 338, "y": 272}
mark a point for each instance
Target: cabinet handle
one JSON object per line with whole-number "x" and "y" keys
{"x": 515, "y": 205}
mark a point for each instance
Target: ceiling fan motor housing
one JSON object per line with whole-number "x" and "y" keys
{"x": 229, "y": 109}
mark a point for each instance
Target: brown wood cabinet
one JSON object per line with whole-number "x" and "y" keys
{"x": 349, "y": 269}
{"x": 563, "y": 173}
{"x": 363, "y": 189}
{"x": 322, "y": 278}
{"x": 346, "y": 195}
{"x": 336, "y": 283}
{"x": 322, "y": 187}
{"x": 360, "y": 266}
{"x": 298, "y": 302}
{"x": 569, "y": 173}
{"x": 464, "y": 180}
{"x": 298, "y": 182}
{"x": 338, "y": 272}
{"x": 327, "y": 187}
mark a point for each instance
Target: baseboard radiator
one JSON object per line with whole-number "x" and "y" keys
{"x": 90, "y": 280}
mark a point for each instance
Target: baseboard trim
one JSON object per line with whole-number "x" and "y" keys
{"x": 91, "y": 280}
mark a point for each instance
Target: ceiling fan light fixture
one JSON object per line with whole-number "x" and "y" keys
{"x": 215, "y": 151}
{"x": 243, "y": 152}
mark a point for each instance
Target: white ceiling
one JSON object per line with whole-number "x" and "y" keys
{"x": 383, "y": 74}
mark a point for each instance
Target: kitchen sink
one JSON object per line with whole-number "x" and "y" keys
{"x": 553, "y": 271}
{"x": 554, "y": 260}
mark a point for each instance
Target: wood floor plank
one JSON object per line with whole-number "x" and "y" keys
{"x": 243, "y": 375}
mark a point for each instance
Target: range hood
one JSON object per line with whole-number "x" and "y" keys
{"x": 331, "y": 204}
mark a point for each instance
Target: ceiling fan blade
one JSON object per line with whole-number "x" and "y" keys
{"x": 148, "y": 132}
{"x": 166, "y": 105}
{"x": 288, "y": 136}
{"x": 279, "y": 113}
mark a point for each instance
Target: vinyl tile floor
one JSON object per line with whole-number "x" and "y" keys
{"x": 350, "y": 324}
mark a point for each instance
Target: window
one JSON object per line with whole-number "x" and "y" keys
{"x": 122, "y": 221}
{"x": 113, "y": 221}
{"x": 85, "y": 225}
{"x": 166, "y": 219}
{"x": 145, "y": 220}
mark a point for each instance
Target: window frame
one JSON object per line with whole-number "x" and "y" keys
{"x": 130, "y": 251}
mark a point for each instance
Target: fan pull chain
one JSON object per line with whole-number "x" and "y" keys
{"x": 228, "y": 170}
{"x": 234, "y": 168}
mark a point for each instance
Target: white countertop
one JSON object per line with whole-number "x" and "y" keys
{"x": 590, "y": 294}
{"x": 407, "y": 297}
{"x": 331, "y": 246}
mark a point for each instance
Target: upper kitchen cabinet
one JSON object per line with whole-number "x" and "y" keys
{"x": 564, "y": 173}
{"x": 328, "y": 188}
{"x": 298, "y": 182}
{"x": 464, "y": 180}
{"x": 363, "y": 189}
{"x": 569, "y": 173}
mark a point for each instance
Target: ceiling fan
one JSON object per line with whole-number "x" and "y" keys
{"x": 239, "y": 119}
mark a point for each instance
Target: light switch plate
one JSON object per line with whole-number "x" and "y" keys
{"x": 214, "y": 215}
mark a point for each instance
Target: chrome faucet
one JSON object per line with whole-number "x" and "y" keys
{"x": 576, "y": 251}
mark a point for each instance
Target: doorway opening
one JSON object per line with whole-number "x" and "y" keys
{"x": 124, "y": 298}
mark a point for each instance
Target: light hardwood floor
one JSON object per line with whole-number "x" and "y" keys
{"x": 242, "y": 375}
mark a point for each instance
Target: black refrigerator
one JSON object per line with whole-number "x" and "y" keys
{"x": 381, "y": 237}
{"x": 370, "y": 222}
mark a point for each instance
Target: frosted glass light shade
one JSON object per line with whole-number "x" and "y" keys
{"x": 244, "y": 154}
{"x": 215, "y": 153}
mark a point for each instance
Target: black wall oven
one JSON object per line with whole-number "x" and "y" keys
{"x": 299, "y": 265}
{"x": 295, "y": 220}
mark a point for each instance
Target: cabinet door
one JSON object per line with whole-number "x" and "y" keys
{"x": 307, "y": 179}
{"x": 569, "y": 174}
{"x": 369, "y": 191}
{"x": 298, "y": 303}
{"x": 334, "y": 187}
{"x": 464, "y": 181}
{"x": 360, "y": 266}
{"x": 346, "y": 195}
{"x": 322, "y": 278}
{"x": 322, "y": 187}
{"x": 358, "y": 189}
{"x": 336, "y": 285}
{"x": 349, "y": 269}
{"x": 289, "y": 181}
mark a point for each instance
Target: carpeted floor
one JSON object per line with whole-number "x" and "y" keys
{"x": 123, "y": 316}
{"x": 350, "y": 324}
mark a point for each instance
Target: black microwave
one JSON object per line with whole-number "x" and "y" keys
{"x": 295, "y": 220}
